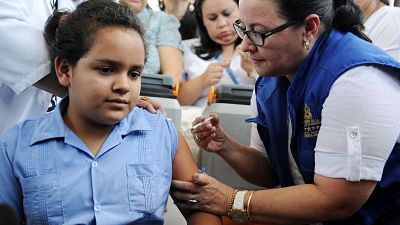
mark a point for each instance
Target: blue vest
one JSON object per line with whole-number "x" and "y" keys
{"x": 333, "y": 54}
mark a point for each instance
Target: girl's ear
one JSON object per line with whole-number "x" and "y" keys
{"x": 63, "y": 71}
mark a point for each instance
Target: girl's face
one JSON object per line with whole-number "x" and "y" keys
{"x": 282, "y": 52}
{"x": 218, "y": 17}
{"x": 136, "y": 6}
{"x": 105, "y": 84}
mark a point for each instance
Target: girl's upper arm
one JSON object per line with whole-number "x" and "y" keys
{"x": 184, "y": 166}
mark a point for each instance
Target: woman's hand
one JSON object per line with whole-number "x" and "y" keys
{"x": 150, "y": 105}
{"x": 214, "y": 72}
{"x": 245, "y": 60}
{"x": 203, "y": 193}
{"x": 209, "y": 136}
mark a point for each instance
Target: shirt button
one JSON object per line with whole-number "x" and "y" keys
{"x": 353, "y": 134}
{"x": 97, "y": 207}
{"x": 94, "y": 164}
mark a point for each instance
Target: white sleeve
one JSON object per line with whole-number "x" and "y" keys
{"x": 360, "y": 124}
{"x": 255, "y": 140}
{"x": 24, "y": 57}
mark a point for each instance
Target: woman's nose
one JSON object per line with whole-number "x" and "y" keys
{"x": 222, "y": 22}
{"x": 247, "y": 45}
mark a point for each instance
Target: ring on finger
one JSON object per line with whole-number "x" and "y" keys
{"x": 144, "y": 98}
{"x": 192, "y": 200}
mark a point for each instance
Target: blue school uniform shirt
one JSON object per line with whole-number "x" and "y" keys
{"x": 49, "y": 176}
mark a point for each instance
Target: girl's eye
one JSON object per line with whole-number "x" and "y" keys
{"x": 134, "y": 74}
{"x": 105, "y": 70}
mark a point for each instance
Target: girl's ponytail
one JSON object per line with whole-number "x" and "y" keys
{"x": 50, "y": 33}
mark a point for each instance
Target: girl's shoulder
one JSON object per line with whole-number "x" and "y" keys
{"x": 142, "y": 119}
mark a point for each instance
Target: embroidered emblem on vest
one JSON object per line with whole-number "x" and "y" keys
{"x": 311, "y": 126}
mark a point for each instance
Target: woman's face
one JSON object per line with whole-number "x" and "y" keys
{"x": 282, "y": 52}
{"x": 136, "y": 6}
{"x": 218, "y": 17}
{"x": 104, "y": 85}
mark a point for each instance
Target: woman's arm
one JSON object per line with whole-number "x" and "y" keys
{"x": 169, "y": 44}
{"x": 25, "y": 59}
{"x": 171, "y": 62}
{"x": 50, "y": 84}
{"x": 327, "y": 199}
{"x": 183, "y": 168}
{"x": 249, "y": 163}
{"x": 192, "y": 89}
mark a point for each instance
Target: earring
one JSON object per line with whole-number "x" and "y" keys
{"x": 307, "y": 45}
{"x": 191, "y": 6}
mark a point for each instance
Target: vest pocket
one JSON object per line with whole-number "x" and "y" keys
{"x": 42, "y": 199}
{"x": 144, "y": 194}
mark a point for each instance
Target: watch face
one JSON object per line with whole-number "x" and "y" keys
{"x": 239, "y": 217}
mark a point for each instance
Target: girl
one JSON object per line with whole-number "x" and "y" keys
{"x": 96, "y": 159}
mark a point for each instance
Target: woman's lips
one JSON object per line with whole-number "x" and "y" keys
{"x": 256, "y": 61}
{"x": 224, "y": 34}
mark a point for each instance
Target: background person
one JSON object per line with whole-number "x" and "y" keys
{"x": 214, "y": 58}
{"x": 381, "y": 25}
{"x": 183, "y": 10}
{"x": 343, "y": 108}
{"x": 93, "y": 160}
{"x": 165, "y": 55}
{"x": 24, "y": 63}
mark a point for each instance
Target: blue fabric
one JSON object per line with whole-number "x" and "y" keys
{"x": 332, "y": 55}
{"x": 49, "y": 176}
{"x": 161, "y": 30}
{"x": 271, "y": 119}
{"x": 228, "y": 70}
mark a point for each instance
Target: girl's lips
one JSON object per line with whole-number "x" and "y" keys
{"x": 118, "y": 100}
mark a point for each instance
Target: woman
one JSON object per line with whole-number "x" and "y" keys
{"x": 94, "y": 159}
{"x": 164, "y": 40}
{"x": 341, "y": 95}
{"x": 215, "y": 57}
{"x": 381, "y": 25}
{"x": 183, "y": 10}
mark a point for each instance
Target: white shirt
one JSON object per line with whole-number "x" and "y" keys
{"x": 195, "y": 66}
{"x": 383, "y": 27}
{"x": 24, "y": 58}
{"x": 359, "y": 127}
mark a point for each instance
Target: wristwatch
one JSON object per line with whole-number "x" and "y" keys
{"x": 238, "y": 213}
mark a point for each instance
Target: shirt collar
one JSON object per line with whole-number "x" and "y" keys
{"x": 53, "y": 126}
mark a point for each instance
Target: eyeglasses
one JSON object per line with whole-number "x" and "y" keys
{"x": 258, "y": 38}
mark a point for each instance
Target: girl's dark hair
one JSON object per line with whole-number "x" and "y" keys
{"x": 344, "y": 15}
{"x": 208, "y": 48}
{"x": 71, "y": 35}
